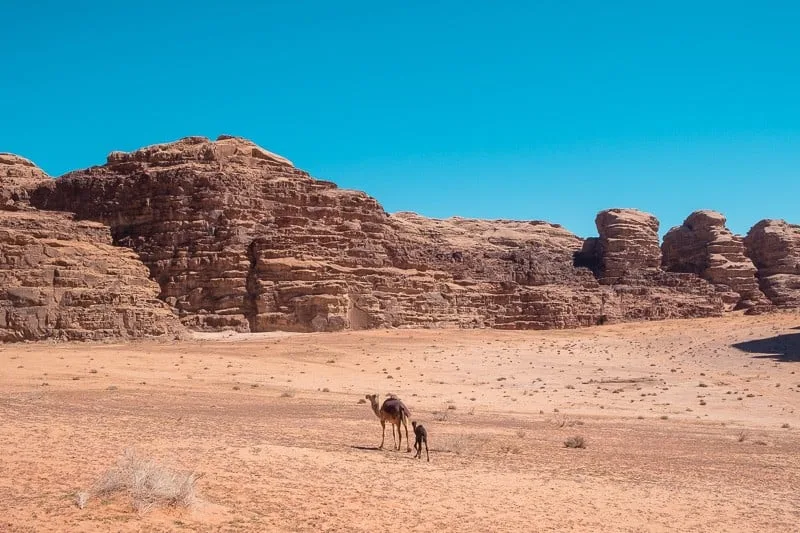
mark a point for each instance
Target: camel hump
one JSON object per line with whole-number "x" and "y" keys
{"x": 395, "y": 407}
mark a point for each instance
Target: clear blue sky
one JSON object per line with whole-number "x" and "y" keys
{"x": 547, "y": 110}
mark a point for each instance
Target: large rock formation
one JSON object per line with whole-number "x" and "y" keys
{"x": 239, "y": 238}
{"x": 18, "y": 176}
{"x": 234, "y": 235}
{"x": 704, "y": 246}
{"x": 626, "y": 258}
{"x": 774, "y": 247}
{"x": 63, "y": 279}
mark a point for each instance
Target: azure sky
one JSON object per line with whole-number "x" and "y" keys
{"x": 547, "y": 110}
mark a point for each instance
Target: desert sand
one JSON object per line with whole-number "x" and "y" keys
{"x": 689, "y": 425}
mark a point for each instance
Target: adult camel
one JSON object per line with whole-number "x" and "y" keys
{"x": 395, "y": 412}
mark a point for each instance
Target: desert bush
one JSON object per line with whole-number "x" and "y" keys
{"x": 575, "y": 442}
{"x": 460, "y": 443}
{"x": 510, "y": 448}
{"x": 561, "y": 420}
{"x": 148, "y": 483}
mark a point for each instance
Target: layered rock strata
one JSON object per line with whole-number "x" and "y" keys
{"x": 239, "y": 238}
{"x": 626, "y": 258}
{"x": 62, "y": 279}
{"x": 774, "y": 247}
{"x": 703, "y": 245}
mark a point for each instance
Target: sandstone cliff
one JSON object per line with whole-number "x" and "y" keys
{"x": 239, "y": 238}
{"x": 774, "y": 247}
{"x": 63, "y": 279}
{"x": 704, "y": 246}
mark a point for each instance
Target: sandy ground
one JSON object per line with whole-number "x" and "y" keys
{"x": 689, "y": 426}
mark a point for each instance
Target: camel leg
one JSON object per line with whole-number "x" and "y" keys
{"x": 408, "y": 446}
{"x": 383, "y": 434}
{"x": 427, "y": 454}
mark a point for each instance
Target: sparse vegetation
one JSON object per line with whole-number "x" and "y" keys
{"x": 510, "y": 449}
{"x": 148, "y": 483}
{"x": 575, "y": 442}
{"x": 460, "y": 443}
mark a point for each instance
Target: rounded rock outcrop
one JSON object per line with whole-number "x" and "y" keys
{"x": 628, "y": 244}
{"x": 18, "y": 177}
{"x": 703, "y": 245}
{"x": 774, "y": 247}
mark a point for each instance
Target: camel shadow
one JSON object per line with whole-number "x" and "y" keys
{"x": 366, "y": 448}
{"x": 406, "y": 455}
{"x": 784, "y": 348}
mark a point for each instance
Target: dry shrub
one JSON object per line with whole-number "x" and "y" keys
{"x": 510, "y": 449}
{"x": 441, "y": 416}
{"x": 460, "y": 443}
{"x": 563, "y": 420}
{"x": 148, "y": 483}
{"x": 575, "y": 442}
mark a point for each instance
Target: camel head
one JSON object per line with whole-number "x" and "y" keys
{"x": 373, "y": 399}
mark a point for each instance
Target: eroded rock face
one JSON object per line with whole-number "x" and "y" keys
{"x": 239, "y": 238}
{"x": 62, "y": 279}
{"x": 628, "y": 245}
{"x": 217, "y": 224}
{"x": 704, "y": 246}
{"x": 18, "y": 177}
{"x": 774, "y": 247}
{"x": 626, "y": 258}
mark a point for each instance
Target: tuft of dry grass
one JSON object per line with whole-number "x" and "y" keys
{"x": 148, "y": 483}
{"x": 563, "y": 420}
{"x": 510, "y": 449}
{"x": 441, "y": 416}
{"x": 575, "y": 442}
{"x": 460, "y": 443}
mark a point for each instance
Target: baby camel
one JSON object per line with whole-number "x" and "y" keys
{"x": 395, "y": 412}
{"x": 421, "y": 435}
